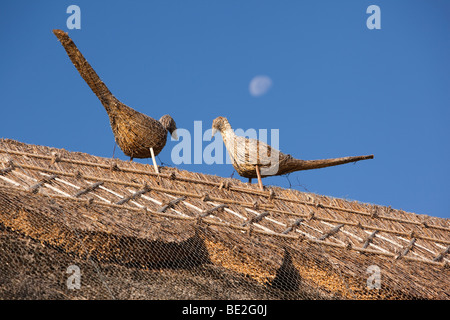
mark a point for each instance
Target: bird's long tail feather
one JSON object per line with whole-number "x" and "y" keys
{"x": 292, "y": 164}
{"x": 85, "y": 69}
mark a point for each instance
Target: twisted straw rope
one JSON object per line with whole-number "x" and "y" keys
{"x": 209, "y": 221}
{"x": 172, "y": 176}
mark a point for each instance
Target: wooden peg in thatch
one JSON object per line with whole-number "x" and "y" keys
{"x": 199, "y": 220}
{"x": 425, "y": 224}
{"x": 256, "y": 219}
{"x": 374, "y": 214}
{"x": 389, "y": 210}
{"x": 135, "y": 195}
{"x": 6, "y": 170}
{"x": 348, "y": 244}
{"x": 34, "y": 188}
{"x": 406, "y": 249}
{"x": 224, "y": 185}
{"x": 441, "y": 255}
{"x": 369, "y": 239}
{"x": 114, "y": 167}
{"x": 78, "y": 175}
{"x": 331, "y": 232}
{"x": 206, "y": 197}
{"x": 249, "y": 230}
{"x": 212, "y": 210}
{"x": 90, "y": 188}
{"x": 271, "y": 194}
{"x": 55, "y": 158}
{"x": 318, "y": 204}
{"x": 293, "y": 226}
{"x": 172, "y": 176}
{"x": 171, "y": 204}
{"x": 89, "y": 201}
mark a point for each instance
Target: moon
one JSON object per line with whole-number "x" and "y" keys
{"x": 259, "y": 85}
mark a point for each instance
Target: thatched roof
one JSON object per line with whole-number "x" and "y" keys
{"x": 135, "y": 234}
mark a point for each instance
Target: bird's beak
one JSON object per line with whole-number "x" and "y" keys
{"x": 213, "y": 133}
{"x": 174, "y": 135}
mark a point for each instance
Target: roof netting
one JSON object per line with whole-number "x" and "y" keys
{"x": 77, "y": 226}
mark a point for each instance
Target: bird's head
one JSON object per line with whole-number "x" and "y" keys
{"x": 220, "y": 124}
{"x": 169, "y": 124}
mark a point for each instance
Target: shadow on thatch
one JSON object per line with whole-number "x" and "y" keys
{"x": 142, "y": 253}
{"x": 287, "y": 277}
{"x": 48, "y": 223}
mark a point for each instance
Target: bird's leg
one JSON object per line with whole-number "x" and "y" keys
{"x": 154, "y": 160}
{"x": 114, "y": 150}
{"x": 249, "y": 180}
{"x": 258, "y": 173}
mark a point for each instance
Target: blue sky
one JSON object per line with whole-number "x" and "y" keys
{"x": 338, "y": 88}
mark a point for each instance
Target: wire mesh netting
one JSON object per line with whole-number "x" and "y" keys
{"x": 76, "y": 226}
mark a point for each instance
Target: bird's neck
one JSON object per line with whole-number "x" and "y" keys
{"x": 227, "y": 134}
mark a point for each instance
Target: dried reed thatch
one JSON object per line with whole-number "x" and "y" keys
{"x": 135, "y": 132}
{"x": 136, "y": 234}
{"x": 246, "y": 154}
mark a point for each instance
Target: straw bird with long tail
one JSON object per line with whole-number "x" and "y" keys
{"x": 255, "y": 159}
{"x": 138, "y": 135}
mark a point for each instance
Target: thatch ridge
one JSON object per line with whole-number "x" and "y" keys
{"x": 301, "y": 240}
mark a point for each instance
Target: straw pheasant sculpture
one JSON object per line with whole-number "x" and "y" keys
{"x": 255, "y": 159}
{"x": 138, "y": 135}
